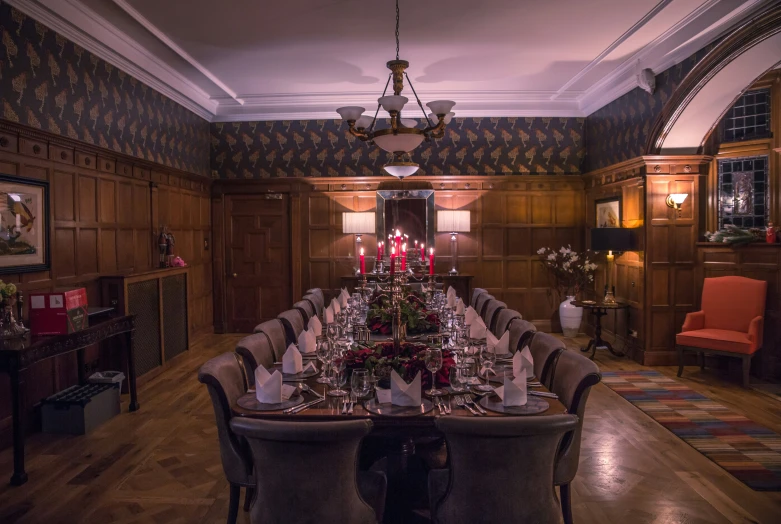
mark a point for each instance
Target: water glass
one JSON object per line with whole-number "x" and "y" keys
{"x": 360, "y": 383}
{"x": 456, "y": 379}
{"x": 338, "y": 377}
{"x": 487, "y": 360}
{"x": 323, "y": 354}
{"x": 433, "y": 361}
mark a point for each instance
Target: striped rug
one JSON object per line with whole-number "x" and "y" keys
{"x": 748, "y": 451}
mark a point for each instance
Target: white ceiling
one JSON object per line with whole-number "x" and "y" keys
{"x": 231, "y": 60}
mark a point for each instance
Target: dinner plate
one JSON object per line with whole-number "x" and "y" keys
{"x": 533, "y": 406}
{"x": 298, "y": 377}
{"x": 504, "y": 371}
{"x": 389, "y": 410}
{"x": 250, "y": 401}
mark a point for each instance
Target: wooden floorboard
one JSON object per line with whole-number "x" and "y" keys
{"x": 161, "y": 464}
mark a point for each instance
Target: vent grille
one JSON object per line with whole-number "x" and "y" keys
{"x": 142, "y": 302}
{"x": 175, "y": 315}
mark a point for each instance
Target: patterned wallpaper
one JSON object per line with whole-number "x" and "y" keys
{"x": 471, "y": 146}
{"x": 618, "y": 131}
{"x": 53, "y": 84}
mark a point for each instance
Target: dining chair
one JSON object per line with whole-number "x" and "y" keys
{"x": 521, "y": 332}
{"x": 491, "y": 312}
{"x": 293, "y": 322}
{"x": 316, "y": 291}
{"x": 503, "y": 320}
{"x": 486, "y": 485}
{"x": 482, "y": 302}
{"x": 316, "y": 302}
{"x": 545, "y": 349}
{"x": 223, "y": 378}
{"x": 476, "y": 292}
{"x": 575, "y": 376}
{"x": 255, "y": 350}
{"x": 306, "y": 310}
{"x": 312, "y": 472}
{"x": 275, "y": 332}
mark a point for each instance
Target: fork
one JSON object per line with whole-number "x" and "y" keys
{"x": 344, "y": 405}
{"x": 471, "y": 402}
{"x": 352, "y": 406}
{"x": 446, "y": 405}
{"x": 460, "y": 403}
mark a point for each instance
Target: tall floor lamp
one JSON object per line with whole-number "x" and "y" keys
{"x": 358, "y": 224}
{"x": 453, "y": 222}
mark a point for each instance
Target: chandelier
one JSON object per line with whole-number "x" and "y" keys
{"x": 403, "y": 135}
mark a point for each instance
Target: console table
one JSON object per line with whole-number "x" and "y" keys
{"x": 461, "y": 283}
{"x": 18, "y": 354}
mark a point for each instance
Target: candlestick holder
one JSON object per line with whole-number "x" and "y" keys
{"x": 394, "y": 286}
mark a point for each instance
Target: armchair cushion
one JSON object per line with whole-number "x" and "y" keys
{"x": 694, "y": 320}
{"x": 755, "y": 331}
{"x": 717, "y": 339}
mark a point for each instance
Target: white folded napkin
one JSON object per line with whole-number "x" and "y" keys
{"x": 328, "y": 315}
{"x": 291, "y": 361}
{"x": 523, "y": 361}
{"x": 316, "y": 326}
{"x": 344, "y": 296}
{"x": 513, "y": 393}
{"x": 307, "y": 341}
{"x": 500, "y": 346}
{"x": 451, "y": 297}
{"x": 269, "y": 388}
{"x": 335, "y": 306}
{"x": 459, "y": 307}
{"x": 477, "y": 329}
{"x": 470, "y": 315}
{"x": 401, "y": 393}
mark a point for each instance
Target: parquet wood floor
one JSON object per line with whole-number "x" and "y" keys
{"x": 161, "y": 465}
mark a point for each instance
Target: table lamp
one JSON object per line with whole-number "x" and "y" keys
{"x": 358, "y": 224}
{"x": 610, "y": 239}
{"x": 453, "y": 222}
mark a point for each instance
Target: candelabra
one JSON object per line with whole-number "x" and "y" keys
{"x": 394, "y": 286}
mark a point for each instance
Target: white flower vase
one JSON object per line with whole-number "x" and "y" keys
{"x": 570, "y": 317}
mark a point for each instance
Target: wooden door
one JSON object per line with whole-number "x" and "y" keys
{"x": 257, "y": 259}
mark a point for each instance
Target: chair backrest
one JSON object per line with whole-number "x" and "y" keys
{"x": 294, "y": 490}
{"x": 476, "y": 292}
{"x": 732, "y": 302}
{"x": 521, "y": 332}
{"x": 503, "y": 319}
{"x": 224, "y": 380}
{"x": 491, "y": 312}
{"x": 317, "y": 304}
{"x": 255, "y": 350}
{"x": 572, "y": 382}
{"x": 306, "y": 309}
{"x": 293, "y": 322}
{"x": 316, "y": 291}
{"x": 275, "y": 332}
{"x": 525, "y": 466}
{"x": 482, "y": 302}
{"x": 545, "y": 348}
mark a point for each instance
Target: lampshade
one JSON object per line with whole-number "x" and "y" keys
{"x": 398, "y": 143}
{"x": 350, "y": 112}
{"x": 392, "y": 102}
{"x": 613, "y": 239}
{"x": 678, "y": 198}
{"x": 441, "y": 107}
{"x": 364, "y": 122}
{"x": 401, "y": 169}
{"x": 409, "y": 122}
{"x": 435, "y": 119}
{"x": 453, "y": 221}
{"x": 358, "y": 223}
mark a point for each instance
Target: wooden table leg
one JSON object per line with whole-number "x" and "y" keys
{"x": 19, "y": 476}
{"x": 131, "y": 371}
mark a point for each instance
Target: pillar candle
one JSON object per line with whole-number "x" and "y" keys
{"x": 422, "y": 252}
{"x": 393, "y": 260}
{"x": 379, "y": 251}
{"x": 431, "y": 261}
{"x": 404, "y": 256}
{"x": 363, "y": 263}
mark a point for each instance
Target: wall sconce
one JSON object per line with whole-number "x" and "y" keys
{"x": 674, "y": 200}
{"x": 453, "y": 222}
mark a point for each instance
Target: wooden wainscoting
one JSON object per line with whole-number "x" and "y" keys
{"x": 512, "y": 217}
{"x": 105, "y": 209}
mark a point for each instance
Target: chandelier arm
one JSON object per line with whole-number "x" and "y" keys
{"x": 418, "y": 100}
{"x": 397, "y": 29}
{"x": 371, "y": 127}
{"x": 357, "y": 134}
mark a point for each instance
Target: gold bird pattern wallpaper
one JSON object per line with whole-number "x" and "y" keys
{"x": 50, "y": 83}
{"x": 471, "y": 146}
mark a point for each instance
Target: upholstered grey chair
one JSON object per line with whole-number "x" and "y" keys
{"x": 316, "y": 302}
{"x": 223, "y": 378}
{"x": 316, "y": 291}
{"x": 575, "y": 375}
{"x": 293, "y": 322}
{"x": 275, "y": 332}
{"x": 491, "y": 312}
{"x": 545, "y": 349}
{"x": 521, "y": 332}
{"x": 482, "y": 302}
{"x": 476, "y": 292}
{"x": 514, "y": 485}
{"x": 503, "y": 320}
{"x": 306, "y": 309}
{"x": 255, "y": 350}
{"x": 312, "y": 475}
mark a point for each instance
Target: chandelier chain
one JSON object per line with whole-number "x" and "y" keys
{"x": 397, "y": 29}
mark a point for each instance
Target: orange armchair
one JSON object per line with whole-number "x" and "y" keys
{"x": 729, "y": 324}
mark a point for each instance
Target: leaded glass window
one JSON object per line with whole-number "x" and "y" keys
{"x": 743, "y": 194}
{"x": 749, "y": 118}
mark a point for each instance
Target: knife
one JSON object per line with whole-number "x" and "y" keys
{"x": 301, "y": 407}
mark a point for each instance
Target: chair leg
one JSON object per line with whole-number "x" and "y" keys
{"x": 249, "y": 495}
{"x": 233, "y": 505}
{"x": 566, "y": 503}
{"x": 680, "y": 359}
{"x": 746, "y": 370}
{"x": 701, "y": 358}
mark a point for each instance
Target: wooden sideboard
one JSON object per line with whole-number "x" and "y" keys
{"x": 461, "y": 283}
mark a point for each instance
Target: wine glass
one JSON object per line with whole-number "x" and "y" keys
{"x": 339, "y": 376}
{"x": 487, "y": 360}
{"x": 323, "y": 354}
{"x": 433, "y": 364}
{"x": 333, "y": 331}
{"x": 359, "y": 383}
{"x": 456, "y": 379}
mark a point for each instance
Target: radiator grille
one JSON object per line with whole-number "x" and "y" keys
{"x": 175, "y": 315}
{"x": 142, "y": 302}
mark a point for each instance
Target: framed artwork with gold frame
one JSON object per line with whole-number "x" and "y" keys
{"x": 24, "y": 225}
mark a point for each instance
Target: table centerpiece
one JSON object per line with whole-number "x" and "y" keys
{"x": 415, "y": 317}
{"x": 381, "y": 358}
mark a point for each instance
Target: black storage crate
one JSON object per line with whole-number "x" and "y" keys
{"x": 79, "y": 409}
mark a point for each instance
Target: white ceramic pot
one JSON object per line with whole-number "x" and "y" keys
{"x": 570, "y": 317}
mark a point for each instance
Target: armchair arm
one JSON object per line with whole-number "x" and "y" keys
{"x": 755, "y": 332}
{"x": 694, "y": 320}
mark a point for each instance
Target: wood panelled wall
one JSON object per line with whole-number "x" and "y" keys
{"x": 512, "y": 217}
{"x": 105, "y": 210}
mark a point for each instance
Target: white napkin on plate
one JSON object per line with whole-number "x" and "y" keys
{"x": 459, "y": 307}
{"x": 307, "y": 341}
{"x": 269, "y": 388}
{"x": 451, "y": 297}
{"x": 477, "y": 329}
{"x": 523, "y": 360}
{"x": 500, "y": 346}
{"x": 470, "y": 315}
{"x": 291, "y": 361}
{"x": 335, "y": 306}
{"x": 513, "y": 393}
{"x": 328, "y": 315}
{"x": 401, "y": 393}
{"x": 344, "y": 296}
{"x": 316, "y": 326}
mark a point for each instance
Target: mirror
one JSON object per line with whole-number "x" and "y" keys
{"x": 411, "y": 211}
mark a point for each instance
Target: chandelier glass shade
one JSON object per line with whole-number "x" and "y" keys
{"x": 403, "y": 135}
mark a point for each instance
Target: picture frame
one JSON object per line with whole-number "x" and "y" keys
{"x": 607, "y": 212}
{"x": 24, "y": 225}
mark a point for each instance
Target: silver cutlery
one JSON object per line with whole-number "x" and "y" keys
{"x": 344, "y": 405}
{"x": 306, "y": 388}
{"x": 545, "y": 394}
{"x": 460, "y": 402}
{"x": 440, "y": 407}
{"x": 446, "y": 405}
{"x": 478, "y": 407}
{"x": 352, "y": 405}
{"x": 302, "y": 407}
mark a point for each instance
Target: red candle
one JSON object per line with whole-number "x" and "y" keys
{"x": 422, "y": 252}
{"x": 398, "y": 241}
{"x": 363, "y": 263}
{"x": 393, "y": 260}
{"x": 404, "y": 257}
{"x": 431, "y": 261}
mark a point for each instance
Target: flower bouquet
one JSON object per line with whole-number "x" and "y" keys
{"x": 411, "y": 360}
{"x": 569, "y": 270}
{"x": 414, "y": 315}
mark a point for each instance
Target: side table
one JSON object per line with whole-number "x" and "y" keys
{"x": 599, "y": 310}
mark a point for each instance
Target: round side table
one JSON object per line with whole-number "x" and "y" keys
{"x": 599, "y": 310}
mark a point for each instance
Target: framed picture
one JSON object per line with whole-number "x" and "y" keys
{"x": 24, "y": 225}
{"x": 608, "y": 212}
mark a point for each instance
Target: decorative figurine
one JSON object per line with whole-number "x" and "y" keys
{"x": 770, "y": 234}
{"x": 162, "y": 244}
{"x": 169, "y": 248}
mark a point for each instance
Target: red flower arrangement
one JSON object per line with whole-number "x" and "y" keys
{"x": 414, "y": 315}
{"x": 411, "y": 360}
